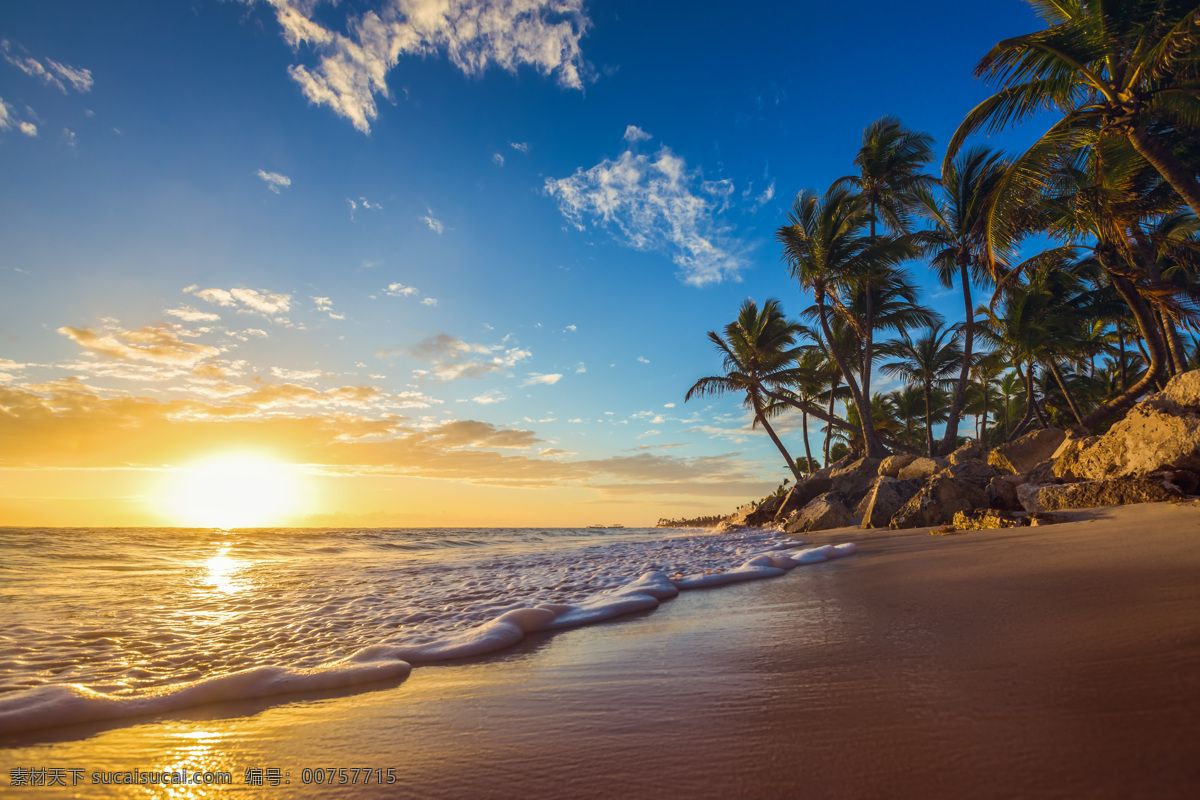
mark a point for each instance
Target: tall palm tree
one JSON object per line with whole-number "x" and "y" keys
{"x": 757, "y": 350}
{"x": 826, "y": 251}
{"x": 889, "y": 173}
{"x": 956, "y": 244}
{"x": 909, "y": 404}
{"x": 928, "y": 362}
{"x": 1126, "y": 70}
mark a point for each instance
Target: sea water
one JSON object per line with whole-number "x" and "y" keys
{"x": 111, "y": 623}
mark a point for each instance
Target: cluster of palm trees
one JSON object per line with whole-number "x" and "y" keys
{"x": 1099, "y": 315}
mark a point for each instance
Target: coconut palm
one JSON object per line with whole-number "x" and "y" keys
{"x": 826, "y": 251}
{"x": 956, "y": 244}
{"x": 889, "y": 173}
{"x": 909, "y": 405}
{"x": 757, "y": 350}
{"x": 1125, "y": 70}
{"x": 929, "y": 361}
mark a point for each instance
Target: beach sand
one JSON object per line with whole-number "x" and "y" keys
{"x": 1058, "y": 661}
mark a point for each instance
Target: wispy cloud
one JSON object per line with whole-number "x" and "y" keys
{"x": 158, "y": 344}
{"x": 654, "y": 204}
{"x": 473, "y": 34}
{"x": 519, "y": 146}
{"x": 635, "y": 134}
{"x": 326, "y": 305}
{"x": 498, "y": 160}
{"x": 454, "y": 359}
{"x": 434, "y": 224}
{"x": 189, "y": 314}
{"x": 52, "y": 73}
{"x": 274, "y": 180}
{"x": 9, "y": 119}
{"x": 538, "y": 379}
{"x": 247, "y": 301}
{"x": 429, "y": 301}
{"x": 400, "y": 290}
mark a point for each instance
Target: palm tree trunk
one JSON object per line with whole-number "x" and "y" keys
{"x": 1062, "y": 385}
{"x": 983, "y": 427}
{"x": 1121, "y": 344}
{"x": 929, "y": 421}
{"x": 1162, "y": 159}
{"x": 829, "y": 424}
{"x": 1175, "y": 345}
{"x": 871, "y": 442}
{"x": 807, "y": 448}
{"x": 762, "y": 420}
{"x": 1157, "y": 353}
{"x": 950, "y": 440}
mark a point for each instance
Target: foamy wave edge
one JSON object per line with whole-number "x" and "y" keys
{"x": 59, "y": 705}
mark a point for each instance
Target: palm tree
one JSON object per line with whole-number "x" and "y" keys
{"x": 826, "y": 252}
{"x": 757, "y": 349}
{"x": 956, "y": 243}
{"x": 1124, "y": 70}
{"x": 928, "y": 362}
{"x": 909, "y": 404}
{"x": 889, "y": 173}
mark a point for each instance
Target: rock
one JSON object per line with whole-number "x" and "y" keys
{"x": 974, "y": 471}
{"x": 984, "y": 519}
{"x": 766, "y": 511}
{"x": 853, "y": 479}
{"x": 801, "y": 494}
{"x": 1001, "y": 493}
{"x": 937, "y": 502}
{"x": 1094, "y": 494}
{"x": 883, "y": 499}
{"x": 1187, "y": 481}
{"x": 922, "y": 468}
{"x": 741, "y": 513}
{"x": 892, "y": 465}
{"x": 828, "y": 471}
{"x": 1026, "y": 452}
{"x": 1160, "y": 433}
{"x": 971, "y": 451}
{"x": 823, "y": 512}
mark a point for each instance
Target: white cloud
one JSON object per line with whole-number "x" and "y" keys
{"x": 454, "y": 359}
{"x": 635, "y": 134}
{"x": 668, "y": 405}
{"x": 52, "y": 73}
{"x": 579, "y": 370}
{"x": 189, "y": 314}
{"x": 400, "y": 290}
{"x": 536, "y": 378}
{"x": 488, "y": 398}
{"x": 429, "y": 301}
{"x": 519, "y": 146}
{"x": 326, "y": 305}
{"x": 643, "y": 359}
{"x": 654, "y": 204}
{"x": 434, "y": 225}
{"x": 570, "y": 328}
{"x": 27, "y": 128}
{"x": 473, "y": 34}
{"x": 157, "y": 344}
{"x": 274, "y": 180}
{"x": 68, "y": 137}
{"x": 248, "y": 301}
{"x": 498, "y": 160}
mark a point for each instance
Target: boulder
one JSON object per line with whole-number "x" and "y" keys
{"x": 841, "y": 462}
{"x": 766, "y": 511}
{"x": 1001, "y": 492}
{"x": 853, "y": 479}
{"x": 973, "y": 471}
{"x": 823, "y": 512}
{"x": 1160, "y": 433}
{"x": 922, "y": 468}
{"x": 984, "y": 519}
{"x": 1025, "y": 453}
{"x": 1094, "y": 494}
{"x": 741, "y": 513}
{"x": 892, "y": 465}
{"x": 971, "y": 451}
{"x": 937, "y": 502}
{"x": 883, "y": 499}
{"x": 801, "y": 494}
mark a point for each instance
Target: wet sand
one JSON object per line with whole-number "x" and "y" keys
{"x": 1058, "y": 661}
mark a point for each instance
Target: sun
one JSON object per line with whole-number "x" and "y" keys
{"x": 233, "y": 491}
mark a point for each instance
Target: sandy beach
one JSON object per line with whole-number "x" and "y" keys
{"x": 1057, "y": 661}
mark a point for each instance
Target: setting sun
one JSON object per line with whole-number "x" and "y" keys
{"x": 233, "y": 491}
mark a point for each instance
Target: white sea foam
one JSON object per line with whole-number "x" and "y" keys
{"x": 110, "y": 624}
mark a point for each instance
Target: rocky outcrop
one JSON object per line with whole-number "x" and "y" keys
{"x": 765, "y": 512}
{"x": 937, "y": 502}
{"x": 1093, "y": 494}
{"x": 922, "y": 468}
{"x": 971, "y": 451}
{"x": 883, "y": 499}
{"x": 974, "y": 471}
{"x": 1160, "y": 433}
{"x": 823, "y": 512}
{"x": 890, "y": 467}
{"x": 985, "y": 519}
{"x": 1001, "y": 492}
{"x": 853, "y": 479}
{"x": 802, "y": 494}
{"x": 1023, "y": 454}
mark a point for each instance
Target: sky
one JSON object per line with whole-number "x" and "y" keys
{"x": 420, "y": 262}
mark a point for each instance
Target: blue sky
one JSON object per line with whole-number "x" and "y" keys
{"x": 487, "y": 237}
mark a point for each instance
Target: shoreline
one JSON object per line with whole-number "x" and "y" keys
{"x": 1038, "y": 662}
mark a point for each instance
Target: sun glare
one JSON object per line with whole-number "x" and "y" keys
{"x": 236, "y": 491}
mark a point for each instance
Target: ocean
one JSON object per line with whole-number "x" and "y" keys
{"x": 112, "y": 623}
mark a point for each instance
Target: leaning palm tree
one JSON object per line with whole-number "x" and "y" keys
{"x": 928, "y": 362}
{"x": 1126, "y": 70}
{"x": 826, "y": 251}
{"x": 758, "y": 349}
{"x": 889, "y": 173}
